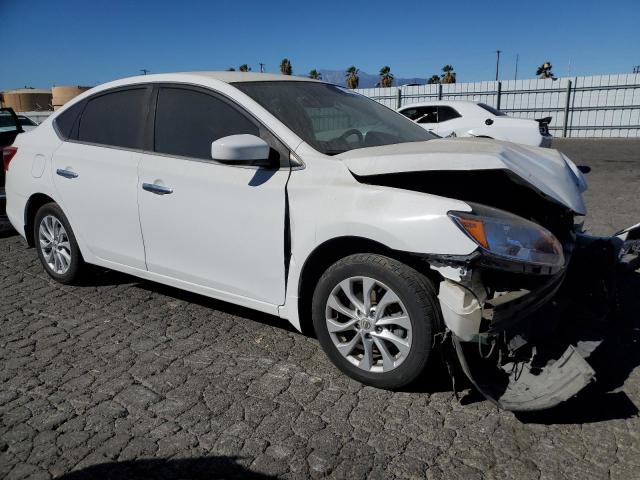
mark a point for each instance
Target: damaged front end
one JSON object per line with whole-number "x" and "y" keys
{"x": 529, "y": 306}
{"x": 523, "y": 331}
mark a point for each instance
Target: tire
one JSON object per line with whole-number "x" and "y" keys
{"x": 407, "y": 351}
{"x": 49, "y": 217}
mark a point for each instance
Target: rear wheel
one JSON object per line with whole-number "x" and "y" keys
{"x": 56, "y": 244}
{"x": 375, "y": 318}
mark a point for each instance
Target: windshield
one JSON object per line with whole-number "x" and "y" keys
{"x": 333, "y": 119}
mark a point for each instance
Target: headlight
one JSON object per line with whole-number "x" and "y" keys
{"x": 510, "y": 237}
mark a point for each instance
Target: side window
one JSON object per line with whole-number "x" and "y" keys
{"x": 115, "y": 119}
{"x": 447, "y": 113}
{"x": 66, "y": 122}
{"x": 428, "y": 115}
{"x": 412, "y": 113}
{"x": 187, "y": 121}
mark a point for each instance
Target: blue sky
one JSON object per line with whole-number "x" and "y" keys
{"x": 92, "y": 41}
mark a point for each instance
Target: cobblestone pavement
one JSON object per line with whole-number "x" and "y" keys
{"x": 123, "y": 378}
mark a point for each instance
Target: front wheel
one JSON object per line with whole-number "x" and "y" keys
{"x": 375, "y": 318}
{"x": 56, "y": 244}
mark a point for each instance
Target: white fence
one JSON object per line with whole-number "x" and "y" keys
{"x": 597, "y": 106}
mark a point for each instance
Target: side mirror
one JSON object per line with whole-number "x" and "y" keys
{"x": 246, "y": 149}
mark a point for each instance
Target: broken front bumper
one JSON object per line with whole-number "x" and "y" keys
{"x": 526, "y": 348}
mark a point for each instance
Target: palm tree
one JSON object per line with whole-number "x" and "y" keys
{"x": 244, "y": 68}
{"x": 434, "y": 79}
{"x": 316, "y": 75}
{"x": 285, "y": 67}
{"x": 352, "y": 77}
{"x": 449, "y": 76}
{"x": 386, "y": 77}
{"x": 544, "y": 71}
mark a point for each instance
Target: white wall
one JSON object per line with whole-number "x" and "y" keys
{"x": 599, "y": 106}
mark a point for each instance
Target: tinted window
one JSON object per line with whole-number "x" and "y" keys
{"x": 66, "y": 121}
{"x": 498, "y": 113}
{"x": 446, "y": 113}
{"x": 188, "y": 121}
{"x": 419, "y": 112}
{"x": 115, "y": 119}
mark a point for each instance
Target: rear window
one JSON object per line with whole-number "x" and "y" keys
{"x": 490, "y": 109}
{"x": 115, "y": 119}
{"x": 446, "y": 113}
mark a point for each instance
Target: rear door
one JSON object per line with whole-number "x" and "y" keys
{"x": 96, "y": 172}
{"x": 207, "y": 223}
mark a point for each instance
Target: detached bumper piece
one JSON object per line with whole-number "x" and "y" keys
{"x": 532, "y": 350}
{"x": 524, "y": 386}
{"x": 629, "y": 255}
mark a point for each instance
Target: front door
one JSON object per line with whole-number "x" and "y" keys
{"x": 206, "y": 223}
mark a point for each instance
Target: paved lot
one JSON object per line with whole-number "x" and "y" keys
{"x": 123, "y": 379}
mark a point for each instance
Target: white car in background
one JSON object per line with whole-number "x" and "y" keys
{"x": 476, "y": 119}
{"x": 316, "y": 204}
{"x": 27, "y": 123}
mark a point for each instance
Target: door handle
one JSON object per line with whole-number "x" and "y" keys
{"x": 157, "y": 189}
{"x": 66, "y": 173}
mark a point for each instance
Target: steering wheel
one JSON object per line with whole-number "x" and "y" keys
{"x": 352, "y": 131}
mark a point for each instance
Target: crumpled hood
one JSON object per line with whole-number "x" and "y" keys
{"x": 543, "y": 168}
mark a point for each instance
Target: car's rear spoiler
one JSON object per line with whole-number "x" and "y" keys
{"x": 544, "y": 125}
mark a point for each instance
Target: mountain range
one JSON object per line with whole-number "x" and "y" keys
{"x": 367, "y": 80}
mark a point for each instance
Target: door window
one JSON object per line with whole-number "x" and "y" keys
{"x": 447, "y": 113}
{"x": 421, "y": 114}
{"x": 188, "y": 121}
{"x": 115, "y": 119}
{"x": 66, "y": 123}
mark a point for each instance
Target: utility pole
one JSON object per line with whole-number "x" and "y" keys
{"x": 517, "y": 58}
{"x": 497, "y": 63}
{"x": 145, "y": 71}
{"x": 636, "y": 69}
{"x": 261, "y": 67}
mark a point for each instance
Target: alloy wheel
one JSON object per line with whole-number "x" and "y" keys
{"x": 368, "y": 324}
{"x": 54, "y": 244}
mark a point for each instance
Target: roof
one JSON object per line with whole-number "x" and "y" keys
{"x": 235, "y": 77}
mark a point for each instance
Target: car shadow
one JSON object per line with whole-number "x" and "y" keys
{"x": 204, "y": 468}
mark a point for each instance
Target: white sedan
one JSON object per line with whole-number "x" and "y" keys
{"x": 475, "y": 119}
{"x": 320, "y": 206}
